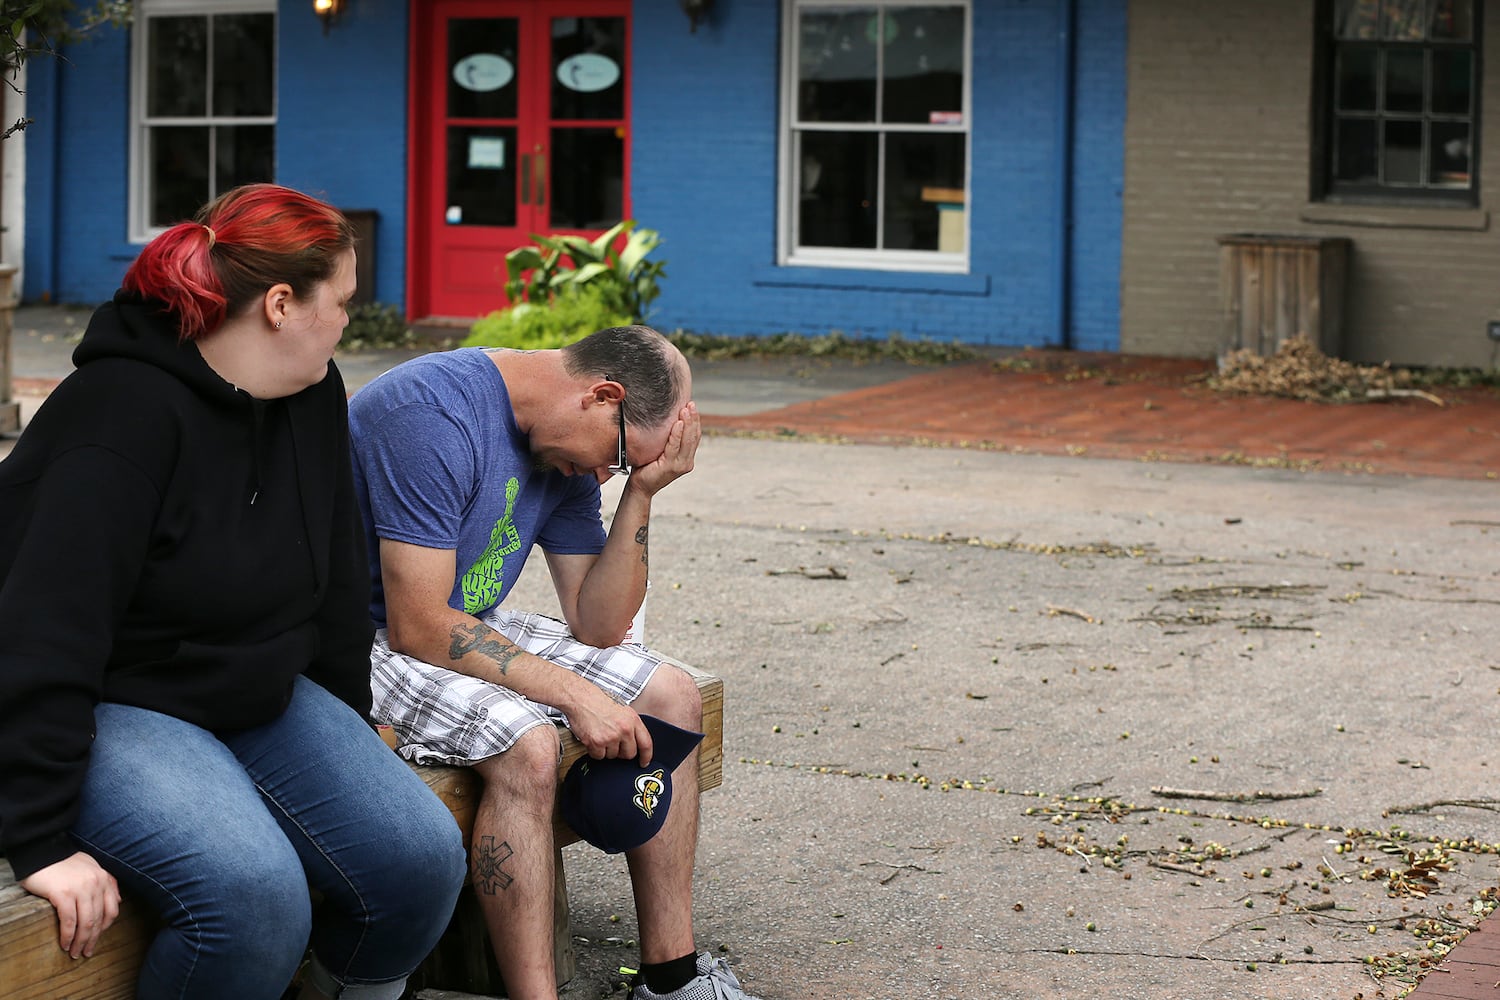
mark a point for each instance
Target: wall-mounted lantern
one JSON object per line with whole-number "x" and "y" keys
{"x": 696, "y": 9}
{"x": 327, "y": 10}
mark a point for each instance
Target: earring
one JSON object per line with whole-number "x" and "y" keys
{"x": 278, "y": 324}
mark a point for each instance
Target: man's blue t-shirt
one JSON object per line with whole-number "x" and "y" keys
{"x": 439, "y": 462}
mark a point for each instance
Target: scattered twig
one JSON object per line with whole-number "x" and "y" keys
{"x": 1200, "y": 594}
{"x": 898, "y": 870}
{"x": 1255, "y": 796}
{"x": 1403, "y": 393}
{"x": 827, "y": 573}
{"x": 1493, "y": 805}
{"x": 1053, "y": 611}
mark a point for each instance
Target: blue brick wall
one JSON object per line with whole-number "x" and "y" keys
{"x": 704, "y": 174}
{"x": 76, "y": 246}
{"x": 703, "y": 171}
{"x": 341, "y": 134}
{"x": 1098, "y": 174}
{"x": 341, "y": 120}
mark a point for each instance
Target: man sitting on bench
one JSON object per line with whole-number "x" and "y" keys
{"x": 464, "y": 460}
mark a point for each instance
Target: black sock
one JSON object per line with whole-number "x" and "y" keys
{"x": 669, "y": 977}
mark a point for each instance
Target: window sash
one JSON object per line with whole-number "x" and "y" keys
{"x": 886, "y": 128}
{"x": 220, "y": 163}
{"x": 1389, "y": 125}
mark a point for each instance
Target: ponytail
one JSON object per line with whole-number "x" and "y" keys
{"x": 176, "y": 270}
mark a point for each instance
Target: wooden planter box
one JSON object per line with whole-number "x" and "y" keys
{"x": 1273, "y": 288}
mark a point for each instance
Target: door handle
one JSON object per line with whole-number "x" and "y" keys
{"x": 526, "y": 178}
{"x": 540, "y": 163}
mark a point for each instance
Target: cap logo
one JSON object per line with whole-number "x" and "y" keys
{"x": 648, "y": 791}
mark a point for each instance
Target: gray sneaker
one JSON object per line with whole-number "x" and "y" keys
{"x": 713, "y": 982}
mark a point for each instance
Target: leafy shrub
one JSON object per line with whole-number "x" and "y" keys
{"x": 376, "y": 325}
{"x": 922, "y": 351}
{"x": 626, "y": 281}
{"x": 574, "y": 313}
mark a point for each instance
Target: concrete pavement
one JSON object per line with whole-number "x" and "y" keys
{"x": 953, "y": 680}
{"x": 957, "y": 682}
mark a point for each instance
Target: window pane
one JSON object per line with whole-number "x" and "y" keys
{"x": 1355, "y": 80}
{"x": 924, "y": 179}
{"x": 178, "y": 158}
{"x": 588, "y": 67}
{"x": 924, "y": 64}
{"x": 242, "y": 68}
{"x": 243, "y": 154}
{"x": 588, "y": 170}
{"x": 482, "y": 67}
{"x": 1403, "y": 20}
{"x": 1452, "y": 82}
{"x": 481, "y": 176}
{"x": 836, "y": 177}
{"x": 1356, "y": 19}
{"x": 1402, "y": 153}
{"x": 1448, "y": 165}
{"x": 1452, "y": 20}
{"x": 177, "y": 66}
{"x": 836, "y": 65}
{"x": 1354, "y": 157}
{"x": 1403, "y": 80}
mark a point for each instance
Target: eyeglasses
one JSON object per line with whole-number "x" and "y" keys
{"x": 622, "y": 465}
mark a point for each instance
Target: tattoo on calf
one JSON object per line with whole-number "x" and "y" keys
{"x": 477, "y": 638}
{"x": 488, "y": 873}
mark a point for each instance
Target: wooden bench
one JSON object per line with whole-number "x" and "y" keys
{"x": 32, "y": 967}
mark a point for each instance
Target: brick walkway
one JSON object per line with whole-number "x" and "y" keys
{"x": 1151, "y": 409}
{"x": 1470, "y": 971}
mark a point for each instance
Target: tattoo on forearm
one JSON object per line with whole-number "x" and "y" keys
{"x": 640, "y": 539}
{"x": 478, "y": 639}
{"x": 488, "y": 865}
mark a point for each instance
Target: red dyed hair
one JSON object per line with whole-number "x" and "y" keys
{"x": 262, "y": 235}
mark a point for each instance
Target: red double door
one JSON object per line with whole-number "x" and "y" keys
{"x": 519, "y": 125}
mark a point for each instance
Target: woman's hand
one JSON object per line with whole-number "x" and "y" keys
{"x": 85, "y": 896}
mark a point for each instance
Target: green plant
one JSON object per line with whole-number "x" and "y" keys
{"x": 922, "y": 351}
{"x": 574, "y": 312}
{"x": 627, "y": 282}
{"x": 376, "y": 325}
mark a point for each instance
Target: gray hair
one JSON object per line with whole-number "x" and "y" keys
{"x": 641, "y": 360}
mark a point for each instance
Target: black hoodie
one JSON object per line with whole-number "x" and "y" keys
{"x": 167, "y": 542}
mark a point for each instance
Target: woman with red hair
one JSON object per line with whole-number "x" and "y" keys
{"x": 185, "y": 632}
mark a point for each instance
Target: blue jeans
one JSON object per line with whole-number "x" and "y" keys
{"x": 224, "y": 834}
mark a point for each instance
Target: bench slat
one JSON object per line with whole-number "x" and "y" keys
{"x": 33, "y": 967}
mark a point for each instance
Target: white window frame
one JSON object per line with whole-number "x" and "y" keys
{"x": 788, "y": 193}
{"x": 140, "y": 231}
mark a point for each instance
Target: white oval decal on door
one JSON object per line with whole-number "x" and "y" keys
{"x": 588, "y": 72}
{"x": 483, "y": 71}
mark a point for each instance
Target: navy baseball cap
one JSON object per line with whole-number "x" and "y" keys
{"x": 616, "y": 804}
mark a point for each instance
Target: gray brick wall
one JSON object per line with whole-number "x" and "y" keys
{"x": 1218, "y": 140}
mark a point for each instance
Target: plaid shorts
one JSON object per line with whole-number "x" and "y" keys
{"x": 441, "y": 716}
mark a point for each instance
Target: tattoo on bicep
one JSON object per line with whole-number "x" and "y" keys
{"x": 477, "y": 638}
{"x": 488, "y": 862}
{"x": 640, "y": 539}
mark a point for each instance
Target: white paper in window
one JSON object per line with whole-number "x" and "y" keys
{"x": 486, "y": 152}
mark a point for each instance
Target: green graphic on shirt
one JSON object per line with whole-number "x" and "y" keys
{"x": 483, "y": 582}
